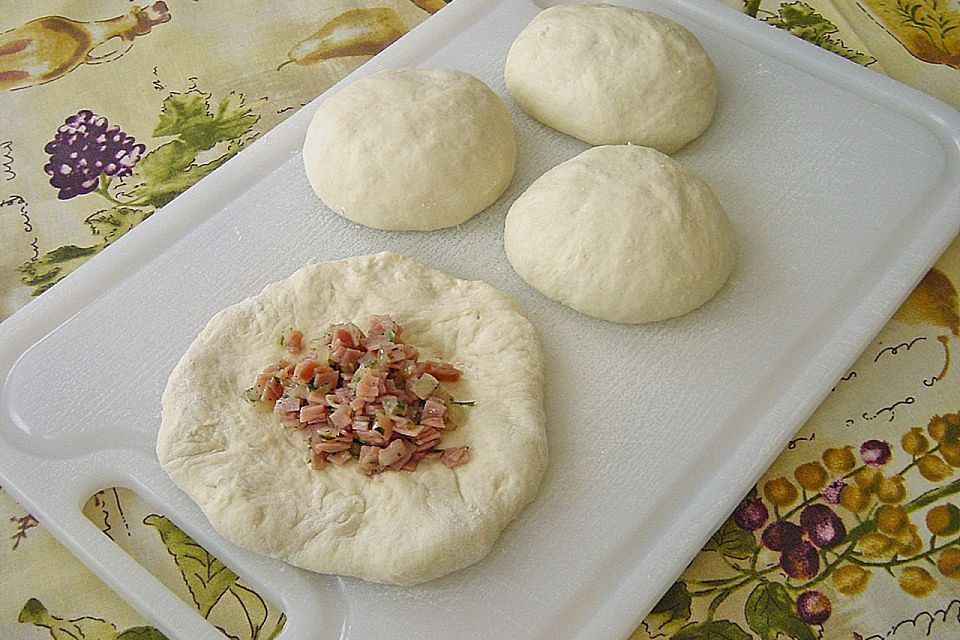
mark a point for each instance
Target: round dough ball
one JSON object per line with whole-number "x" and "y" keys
{"x": 621, "y": 233}
{"x": 250, "y": 475}
{"x": 613, "y": 75}
{"x": 411, "y": 149}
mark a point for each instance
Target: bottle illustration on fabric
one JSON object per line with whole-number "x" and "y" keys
{"x": 358, "y": 32}
{"x": 928, "y": 29}
{"x": 49, "y": 48}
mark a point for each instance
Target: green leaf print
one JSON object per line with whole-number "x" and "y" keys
{"x": 170, "y": 169}
{"x": 188, "y": 116}
{"x": 255, "y": 610}
{"x": 206, "y": 577}
{"x": 170, "y": 180}
{"x": 770, "y": 612}
{"x": 672, "y": 610}
{"x": 87, "y": 628}
{"x": 42, "y": 273}
{"x": 84, "y": 628}
{"x": 713, "y": 630}
{"x": 141, "y": 633}
{"x": 801, "y": 20}
{"x": 732, "y": 542}
{"x": 110, "y": 224}
{"x": 163, "y": 164}
{"x": 281, "y": 621}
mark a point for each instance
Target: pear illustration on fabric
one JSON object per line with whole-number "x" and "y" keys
{"x": 49, "y": 48}
{"x": 934, "y": 302}
{"x": 928, "y": 29}
{"x": 358, "y": 32}
{"x": 430, "y": 6}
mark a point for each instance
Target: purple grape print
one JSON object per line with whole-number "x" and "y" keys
{"x": 813, "y": 607}
{"x": 86, "y": 147}
{"x": 824, "y": 528}
{"x": 831, "y": 493}
{"x": 800, "y": 562}
{"x": 781, "y": 535}
{"x": 875, "y": 453}
{"x": 851, "y": 515}
{"x": 751, "y": 514}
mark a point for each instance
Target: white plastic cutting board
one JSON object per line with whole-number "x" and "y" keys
{"x": 842, "y": 187}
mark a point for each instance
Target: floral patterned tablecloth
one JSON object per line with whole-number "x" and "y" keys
{"x": 110, "y": 109}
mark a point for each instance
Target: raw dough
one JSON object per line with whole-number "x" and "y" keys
{"x": 414, "y": 149}
{"x": 613, "y": 75}
{"x": 622, "y": 233}
{"x": 251, "y": 478}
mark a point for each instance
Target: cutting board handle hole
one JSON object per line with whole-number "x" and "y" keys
{"x": 182, "y": 565}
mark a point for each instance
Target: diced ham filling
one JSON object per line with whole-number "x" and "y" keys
{"x": 364, "y": 396}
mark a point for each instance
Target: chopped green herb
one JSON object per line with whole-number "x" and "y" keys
{"x": 466, "y": 403}
{"x": 311, "y": 386}
{"x": 283, "y": 339}
{"x": 251, "y": 394}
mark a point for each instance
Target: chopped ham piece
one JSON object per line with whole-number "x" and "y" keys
{"x": 424, "y": 386}
{"x": 318, "y": 459}
{"x": 341, "y": 458}
{"x": 272, "y": 391}
{"x": 347, "y": 335}
{"x": 369, "y": 461}
{"x": 406, "y": 427}
{"x": 434, "y": 408}
{"x": 287, "y": 405}
{"x": 326, "y": 376}
{"x": 293, "y": 341}
{"x": 371, "y": 437}
{"x": 428, "y": 445}
{"x": 455, "y": 456}
{"x": 331, "y": 446}
{"x": 341, "y": 418}
{"x": 433, "y": 423}
{"x": 369, "y": 388}
{"x": 305, "y": 370}
{"x": 442, "y": 371}
{"x": 362, "y": 396}
{"x": 313, "y": 413}
{"x": 291, "y": 422}
{"x": 427, "y": 435}
{"x": 316, "y": 397}
{"x": 385, "y": 327}
{"x": 283, "y": 364}
{"x": 393, "y": 452}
